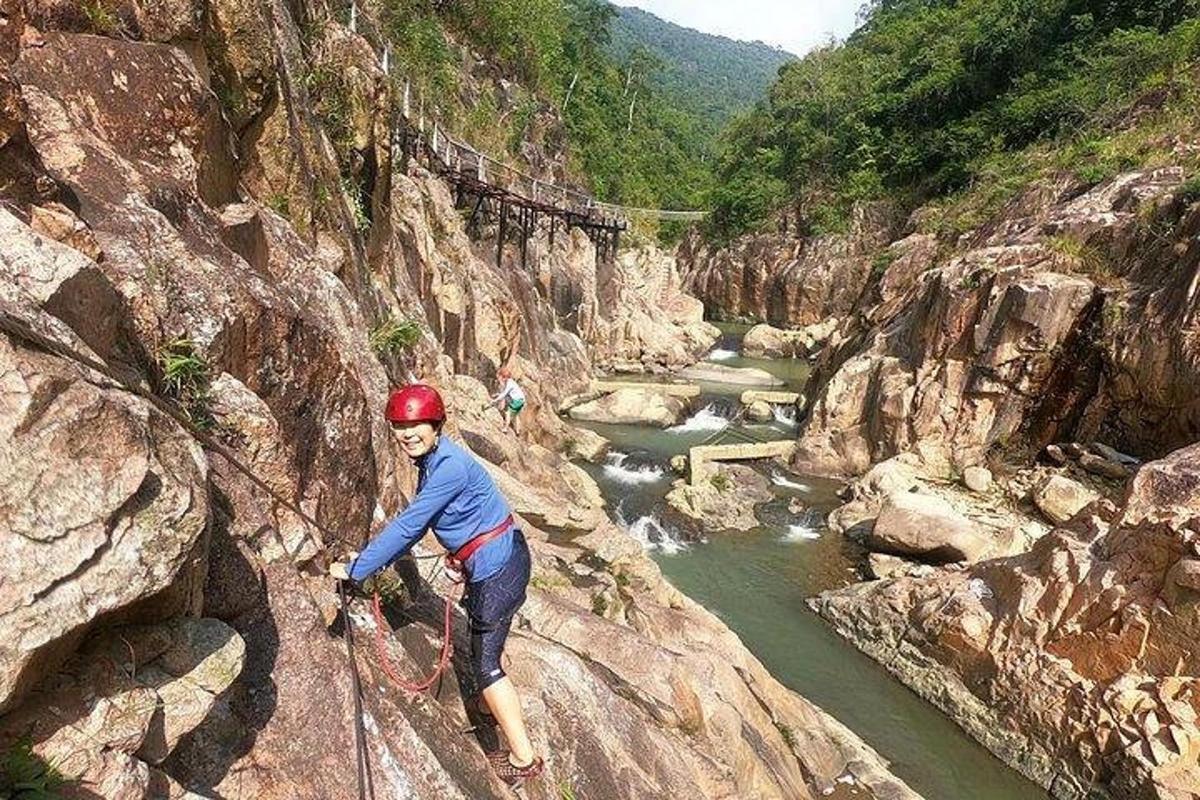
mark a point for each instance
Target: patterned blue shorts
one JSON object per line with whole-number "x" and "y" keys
{"x": 491, "y": 604}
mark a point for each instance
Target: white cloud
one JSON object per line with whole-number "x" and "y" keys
{"x": 796, "y": 26}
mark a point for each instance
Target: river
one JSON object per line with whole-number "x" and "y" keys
{"x": 757, "y": 582}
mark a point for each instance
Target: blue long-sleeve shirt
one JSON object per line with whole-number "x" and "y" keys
{"x": 457, "y": 499}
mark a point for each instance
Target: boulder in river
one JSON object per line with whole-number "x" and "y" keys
{"x": 759, "y": 411}
{"x": 926, "y": 527}
{"x": 725, "y": 501}
{"x": 633, "y": 407}
{"x": 719, "y": 373}
{"x": 767, "y": 341}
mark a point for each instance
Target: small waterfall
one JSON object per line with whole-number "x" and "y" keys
{"x": 809, "y": 527}
{"x": 779, "y": 479}
{"x": 651, "y": 534}
{"x": 630, "y": 474}
{"x": 708, "y": 418}
{"x": 721, "y": 354}
{"x": 784, "y": 415}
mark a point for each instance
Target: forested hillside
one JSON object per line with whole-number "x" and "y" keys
{"x": 629, "y": 138}
{"x": 961, "y": 102}
{"x": 713, "y": 76}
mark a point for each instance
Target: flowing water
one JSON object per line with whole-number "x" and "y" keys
{"x": 757, "y": 582}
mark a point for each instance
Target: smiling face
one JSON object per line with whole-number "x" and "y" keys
{"x": 416, "y": 438}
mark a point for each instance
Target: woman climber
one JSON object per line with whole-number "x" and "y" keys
{"x": 511, "y": 398}
{"x": 458, "y": 500}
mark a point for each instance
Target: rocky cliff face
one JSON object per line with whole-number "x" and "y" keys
{"x": 1060, "y": 321}
{"x": 784, "y": 279}
{"x": 1075, "y": 661}
{"x": 177, "y": 224}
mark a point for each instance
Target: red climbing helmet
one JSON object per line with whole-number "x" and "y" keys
{"x": 416, "y": 403}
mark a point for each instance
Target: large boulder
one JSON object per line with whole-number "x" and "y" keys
{"x": 633, "y": 407}
{"x": 1074, "y": 662}
{"x": 103, "y": 503}
{"x": 203, "y": 658}
{"x": 127, "y": 698}
{"x": 767, "y": 341}
{"x": 1060, "y": 498}
{"x": 1167, "y": 490}
{"x": 926, "y": 527}
{"x": 725, "y": 501}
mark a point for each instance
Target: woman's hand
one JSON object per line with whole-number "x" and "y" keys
{"x": 340, "y": 570}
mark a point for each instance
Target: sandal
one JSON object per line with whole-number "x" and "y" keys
{"x": 510, "y": 772}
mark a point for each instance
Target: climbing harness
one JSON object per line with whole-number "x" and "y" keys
{"x": 459, "y": 557}
{"x": 455, "y": 561}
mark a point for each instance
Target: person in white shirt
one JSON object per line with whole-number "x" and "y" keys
{"x": 511, "y": 399}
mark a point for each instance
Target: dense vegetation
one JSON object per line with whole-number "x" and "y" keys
{"x": 712, "y": 76}
{"x": 632, "y": 139}
{"x": 933, "y": 97}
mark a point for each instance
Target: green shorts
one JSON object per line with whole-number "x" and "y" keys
{"x": 515, "y": 406}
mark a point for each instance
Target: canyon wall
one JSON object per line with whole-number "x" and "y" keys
{"x": 184, "y": 248}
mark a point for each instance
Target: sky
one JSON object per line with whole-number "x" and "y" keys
{"x": 794, "y": 25}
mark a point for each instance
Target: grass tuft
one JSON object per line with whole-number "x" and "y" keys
{"x": 394, "y": 335}
{"x": 1078, "y": 256}
{"x": 186, "y": 379}
{"x": 789, "y": 736}
{"x": 26, "y": 776}
{"x": 103, "y": 19}
{"x": 1190, "y": 191}
{"x": 721, "y": 482}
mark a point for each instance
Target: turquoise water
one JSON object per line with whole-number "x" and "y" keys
{"x": 757, "y": 583}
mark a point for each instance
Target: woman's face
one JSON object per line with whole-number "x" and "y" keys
{"x": 416, "y": 438}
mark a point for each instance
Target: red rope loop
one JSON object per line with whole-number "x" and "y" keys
{"x": 385, "y": 660}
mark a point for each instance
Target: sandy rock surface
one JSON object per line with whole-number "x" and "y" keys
{"x": 633, "y": 407}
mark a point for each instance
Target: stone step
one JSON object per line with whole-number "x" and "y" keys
{"x": 775, "y": 398}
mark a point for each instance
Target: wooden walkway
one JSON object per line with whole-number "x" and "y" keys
{"x": 495, "y": 192}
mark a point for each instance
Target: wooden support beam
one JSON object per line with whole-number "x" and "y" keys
{"x": 473, "y": 222}
{"x": 525, "y": 238}
{"x": 500, "y": 233}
